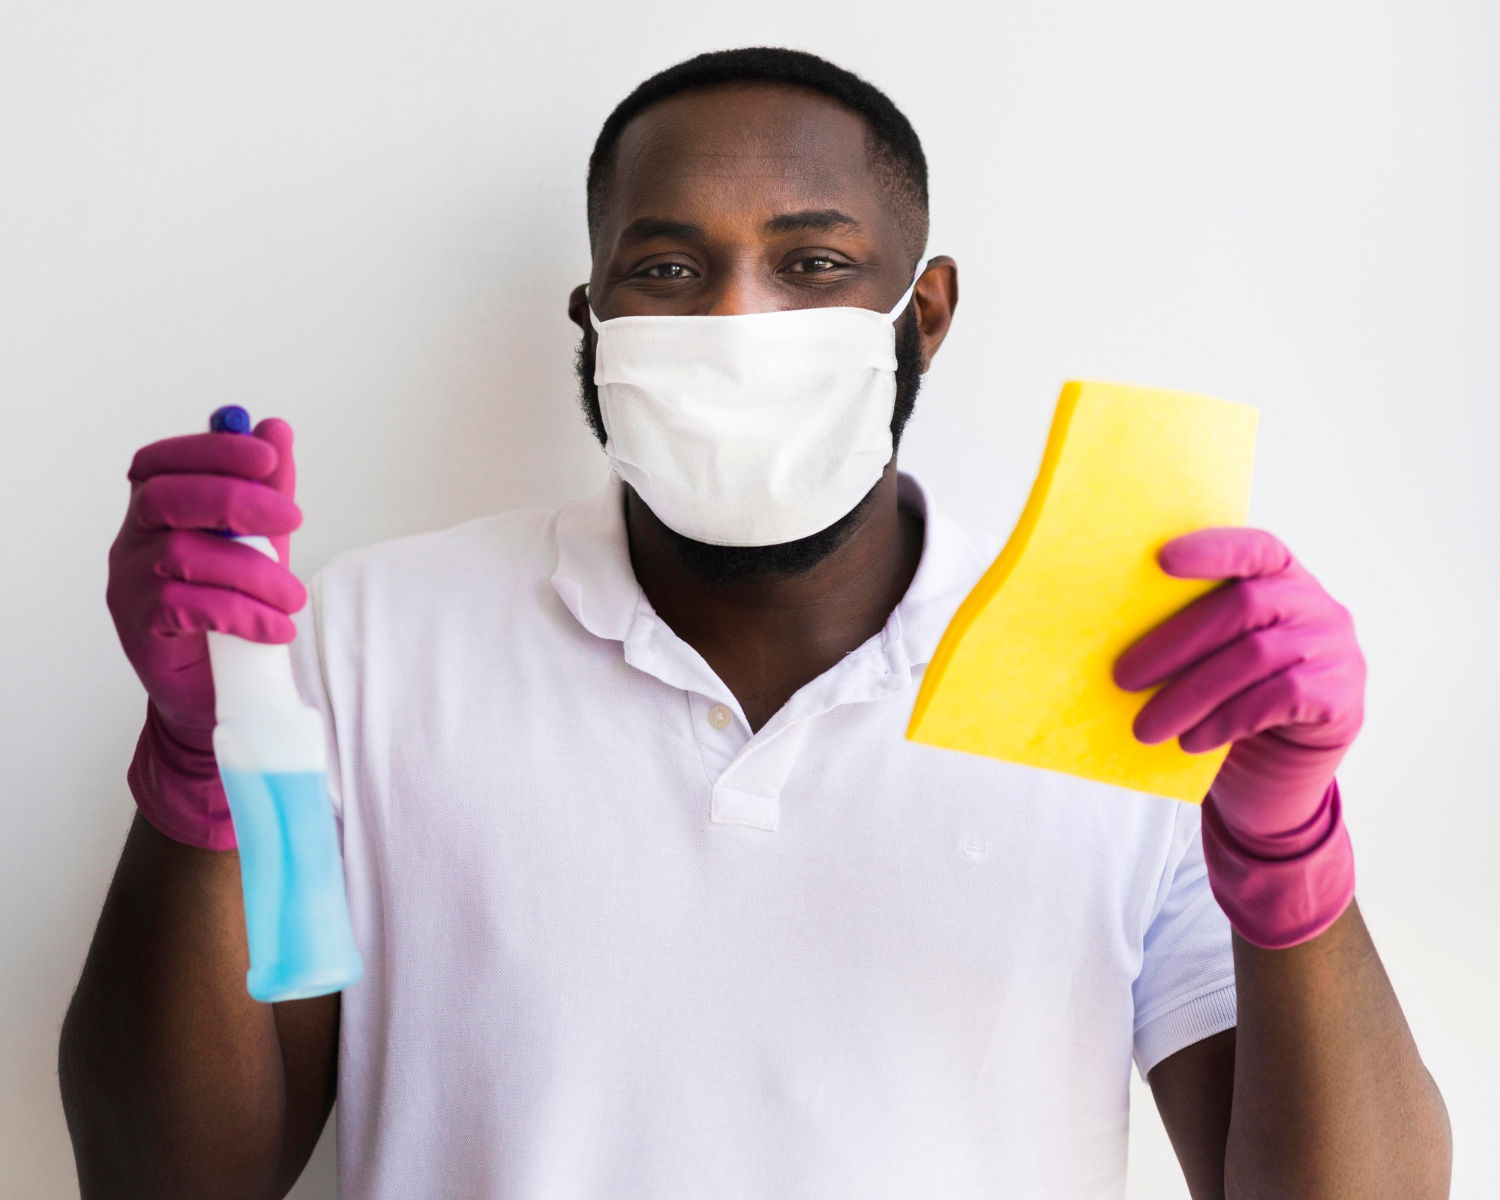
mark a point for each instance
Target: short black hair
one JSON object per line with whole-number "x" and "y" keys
{"x": 894, "y": 150}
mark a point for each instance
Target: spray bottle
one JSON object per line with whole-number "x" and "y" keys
{"x": 273, "y": 761}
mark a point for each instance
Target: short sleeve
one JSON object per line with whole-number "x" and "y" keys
{"x": 1185, "y": 990}
{"x": 309, "y": 669}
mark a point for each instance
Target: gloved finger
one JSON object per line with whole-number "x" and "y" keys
{"x": 1190, "y": 698}
{"x": 1235, "y": 608}
{"x": 1290, "y": 697}
{"x": 204, "y": 453}
{"x": 198, "y": 557}
{"x": 213, "y": 502}
{"x": 183, "y": 609}
{"x": 1224, "y": 551}
{"x": 276, "y": 433}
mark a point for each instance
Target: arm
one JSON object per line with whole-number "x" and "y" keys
{"x": 1327, "y": 1094}
{"x": 1330, "y": 1095}
{"x": 1319, "y": 1092}
{"x": 175, "y": 1083}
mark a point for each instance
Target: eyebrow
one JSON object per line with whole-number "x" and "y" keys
{"x": 824, "y": 220}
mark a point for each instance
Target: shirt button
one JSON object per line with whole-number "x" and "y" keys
{"x": 719, "y": 716}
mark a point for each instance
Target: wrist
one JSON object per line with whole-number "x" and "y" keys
{"x": 1284, "y": 889}
{"x": 1280, "y": 841}
{"x": 177, "y": 788}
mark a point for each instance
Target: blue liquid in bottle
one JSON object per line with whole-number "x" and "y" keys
{"x": 296, "y": 914}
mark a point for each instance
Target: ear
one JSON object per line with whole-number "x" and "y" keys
{"x": 936, "y": 297}
{"x": 578, "y": 309}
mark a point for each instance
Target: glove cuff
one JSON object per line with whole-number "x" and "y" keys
{"x": 178, "y": 789}
{"x": 1280, "y": 892}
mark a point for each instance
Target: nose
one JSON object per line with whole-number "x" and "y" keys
{"x": 744, "y": 291}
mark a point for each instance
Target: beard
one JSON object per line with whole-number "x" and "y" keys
{"x": 722, "y": 566}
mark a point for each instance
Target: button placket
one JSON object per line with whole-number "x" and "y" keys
{"x": 717, "y": 732}
{"x": 749, "y": 791}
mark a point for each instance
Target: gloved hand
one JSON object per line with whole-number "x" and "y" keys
{"x": 171, "y": 578}
{"x": 1268, "y": 662}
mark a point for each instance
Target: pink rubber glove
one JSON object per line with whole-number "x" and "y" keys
{"x": 171, "y": 578}
{"x": 1268, "y": 662}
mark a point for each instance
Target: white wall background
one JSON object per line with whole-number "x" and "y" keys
{"x": 366, "y": 217}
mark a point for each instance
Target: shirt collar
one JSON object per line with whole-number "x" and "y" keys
{"x": 597, "y": 583}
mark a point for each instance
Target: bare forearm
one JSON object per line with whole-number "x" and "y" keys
{"x": 171, "y": 1074}
{"x": 1330, "y": 1095}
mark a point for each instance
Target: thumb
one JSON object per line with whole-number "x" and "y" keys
{"x": 283, "y": 476}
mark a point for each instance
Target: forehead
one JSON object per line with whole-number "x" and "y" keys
{"x": 742, "y": 152}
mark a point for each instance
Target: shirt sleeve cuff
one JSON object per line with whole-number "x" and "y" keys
{"x": 1168, "y": 1032}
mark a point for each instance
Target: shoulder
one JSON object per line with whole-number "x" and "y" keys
{"x": 426, "y": 605}
{"x": 961, "y": 547}
{"x": 490, "y": 552}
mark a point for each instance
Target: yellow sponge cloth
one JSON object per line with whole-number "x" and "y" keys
{"x": 1023, "y": 671}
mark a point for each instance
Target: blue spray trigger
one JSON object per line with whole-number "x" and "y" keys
{"x": 230, "y": 418}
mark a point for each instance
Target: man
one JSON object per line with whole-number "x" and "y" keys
{"x": 654, "y": 899}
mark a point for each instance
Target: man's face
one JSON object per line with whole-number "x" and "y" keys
{"x": 748, "y": 198}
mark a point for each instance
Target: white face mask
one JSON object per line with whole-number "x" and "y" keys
{"x": 752, "y": 429}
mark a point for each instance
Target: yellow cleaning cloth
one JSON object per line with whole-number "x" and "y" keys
{"x": 1023, "y": 672}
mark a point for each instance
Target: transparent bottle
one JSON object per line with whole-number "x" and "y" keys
{"x": 273, "y": 761}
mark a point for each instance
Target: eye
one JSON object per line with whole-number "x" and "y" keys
{"x": 831, "y": 265}
{"x": 669, "y": 266}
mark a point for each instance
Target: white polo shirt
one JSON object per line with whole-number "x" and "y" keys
{"x": 617, "y": 946}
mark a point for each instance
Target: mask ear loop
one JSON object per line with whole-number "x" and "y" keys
{"x": 589, "y": 304}
{"x": 911, "y": 289}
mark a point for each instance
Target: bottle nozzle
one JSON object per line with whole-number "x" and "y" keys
{"x": 231, "y": 418}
